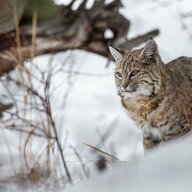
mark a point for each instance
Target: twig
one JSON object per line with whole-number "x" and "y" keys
{"x": 10, "y": 128}
{"x": 101, "y": 151}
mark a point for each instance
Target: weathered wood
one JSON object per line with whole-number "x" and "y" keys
{"x": 72, "y": 29}
{"x": 7, "y": 64}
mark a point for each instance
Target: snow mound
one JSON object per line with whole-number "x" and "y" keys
{"x": 167, "y": 169}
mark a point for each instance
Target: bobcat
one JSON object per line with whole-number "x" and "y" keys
{"x": 157, "y": 97}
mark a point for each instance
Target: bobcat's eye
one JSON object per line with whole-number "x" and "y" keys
{"x": 133, "y": 73}
{"x": 149, "y": 60}
{"x": 118, "y": 75}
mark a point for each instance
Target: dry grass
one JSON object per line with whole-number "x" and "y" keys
{"x": 32, "y": 117}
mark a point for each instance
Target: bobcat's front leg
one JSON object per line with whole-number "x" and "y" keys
{"x": 149, "y": 140}
{"x": 149, "y": 143}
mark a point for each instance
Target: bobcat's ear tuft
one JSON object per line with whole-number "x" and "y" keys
{"x": 116, "y": 53}
{"x": 150, "y": 49}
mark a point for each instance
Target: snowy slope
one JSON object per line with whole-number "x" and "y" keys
{"x": 167, "y": 169}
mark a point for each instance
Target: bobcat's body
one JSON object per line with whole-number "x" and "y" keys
{"x": 157, "y": 97}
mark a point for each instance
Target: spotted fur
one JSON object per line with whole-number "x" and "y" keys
{"x": 157, "y": 97}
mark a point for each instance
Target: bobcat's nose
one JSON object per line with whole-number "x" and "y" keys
{"x": 124, "y": 87}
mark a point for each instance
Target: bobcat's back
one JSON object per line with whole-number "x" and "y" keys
{"x": 181, "y": 70}
{"x": 173, "y": 116}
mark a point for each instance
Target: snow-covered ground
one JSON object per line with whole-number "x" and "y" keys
{"x": 86, "y": 106}
{"x": 167, "y": 169}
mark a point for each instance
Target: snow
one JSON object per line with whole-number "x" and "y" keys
{"x": 167, "y": 169}
{"x": 108, "y": 34}
{"x": 173, "y": 40}
{"x": 86, "y": 105}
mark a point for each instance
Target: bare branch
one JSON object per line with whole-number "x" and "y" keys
{"x": 82, "y": 5}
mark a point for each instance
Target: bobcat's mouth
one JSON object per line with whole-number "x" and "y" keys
{"x": 131, "y": 88}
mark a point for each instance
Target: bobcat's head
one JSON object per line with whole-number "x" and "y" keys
{"x": 138, "y": 72}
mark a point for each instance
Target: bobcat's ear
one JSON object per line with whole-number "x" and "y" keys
{"x": 150, "y": 49}
{"x": 116, "y": 53}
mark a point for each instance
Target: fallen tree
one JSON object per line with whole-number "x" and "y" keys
{"x": 22, "y": 37}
